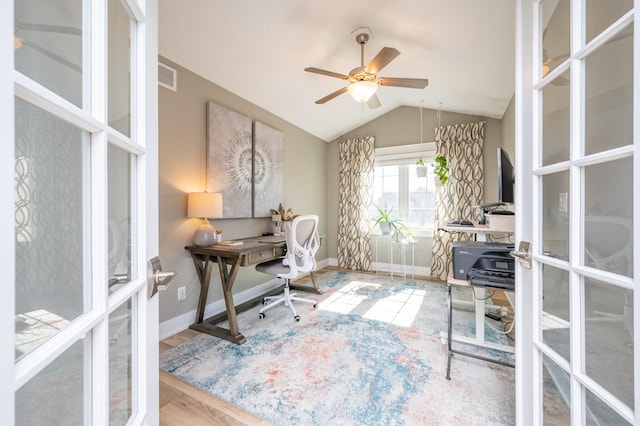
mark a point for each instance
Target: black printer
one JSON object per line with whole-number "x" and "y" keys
{"x": 484, "y": 263}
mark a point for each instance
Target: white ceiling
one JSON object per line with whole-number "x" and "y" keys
{"x": 258, "y": 49}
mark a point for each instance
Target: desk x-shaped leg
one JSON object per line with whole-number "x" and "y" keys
{"x": 204, "y": 266}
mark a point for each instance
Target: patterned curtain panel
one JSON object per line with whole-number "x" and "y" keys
{"x": 462, "y": 145}
{"x": 357, "y": 158}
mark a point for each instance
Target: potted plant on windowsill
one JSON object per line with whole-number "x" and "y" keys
{"x": 441, "y": 169}
{"x": 386, "y": 224}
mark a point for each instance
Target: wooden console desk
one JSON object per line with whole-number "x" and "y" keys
{"x": 229, "y": 259}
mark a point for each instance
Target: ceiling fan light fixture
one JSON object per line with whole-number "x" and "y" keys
{"x": 362, "y": 91}
{"x": 545, "y": 70}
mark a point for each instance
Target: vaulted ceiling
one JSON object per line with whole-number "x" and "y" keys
{"x": 258, "y": 49}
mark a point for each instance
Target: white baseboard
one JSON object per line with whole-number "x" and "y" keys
{"x": 182, "y": 322}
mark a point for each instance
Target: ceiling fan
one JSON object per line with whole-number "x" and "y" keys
{"x": 21, "y": 38}
{"x": 364, "y": 81}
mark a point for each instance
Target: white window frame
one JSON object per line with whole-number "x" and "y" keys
{"x": 407, "y": 155}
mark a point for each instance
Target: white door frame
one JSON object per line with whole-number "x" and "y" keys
{"x": 146, "y": 106}
{"x": 524, "y": 211}
{"x": 7, "y": 219}
{"x": 529, "y": 390}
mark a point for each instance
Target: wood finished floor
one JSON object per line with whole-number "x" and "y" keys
{"x": 183, "y": 404}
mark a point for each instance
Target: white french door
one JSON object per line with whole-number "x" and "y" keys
{"x": 578, "y": 163}
{"x": 78, "y": 191}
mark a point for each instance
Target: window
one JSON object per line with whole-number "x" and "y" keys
{"x": 398, "y": 188}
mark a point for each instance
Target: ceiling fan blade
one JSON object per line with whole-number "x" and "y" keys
{"x": 49, "y": 28}
{"x": 410, "y": 83}
{"x": 332, "y": 95}
{"x": 560, "y": 81}
{"x": 382, "y": 59}
{"x": 374, "y": 102}
{"x": 324, "y": 72}
{"x": 52, "y": 55}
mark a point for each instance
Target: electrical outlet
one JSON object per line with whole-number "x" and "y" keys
{"x": 182, "y": 294}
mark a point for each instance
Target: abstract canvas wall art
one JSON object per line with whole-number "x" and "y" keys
{"x": 229, "y": 159}
{"x": 244, "y": 163}
{"x": 268, "y": 147}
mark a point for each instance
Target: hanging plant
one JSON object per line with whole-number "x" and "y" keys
{"x": 441, "y": 169}
{"x": 421, "y": 168}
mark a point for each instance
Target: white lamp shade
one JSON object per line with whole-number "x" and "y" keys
{"x": 362, "y": 91}
{"x": 204, "y": 205}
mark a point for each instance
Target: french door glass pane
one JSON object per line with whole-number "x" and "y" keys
{"x": 555, "y": 310}
{"x": 119, "y": 68}
{"x": 555, "y": 41}
{"x": 609, "y": 216}
{"x": 55, "y": 396}
{"x": 609, "y": 338}
{"x": 609, "y": 94}
{"x": 48, "y": 45}
{"x": 555, "y": 120}
{"x": 555, "y": 216}
{"x": 120, "y": 365}
{"x": 51, "y": 264}
{"x": 556, "y": 397}
{"x": 119, "y": 261}
{"x": 601, "y": 14}
{"x": 599, "y": 413}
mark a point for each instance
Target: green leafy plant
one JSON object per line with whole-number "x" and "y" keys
{"x": 441, "y": 169}
{"x": 395, "y": 225}
{"x": 420, "y": 162}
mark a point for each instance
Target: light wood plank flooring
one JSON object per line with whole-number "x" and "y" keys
{"x": 182, "y": 404}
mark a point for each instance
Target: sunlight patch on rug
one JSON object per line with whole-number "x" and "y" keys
{"x": 369, "y": 355}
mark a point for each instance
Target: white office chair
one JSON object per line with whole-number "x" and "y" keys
{"x": 302, "y": 239}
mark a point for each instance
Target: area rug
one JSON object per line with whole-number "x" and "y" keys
{"x": 370, "y": 354}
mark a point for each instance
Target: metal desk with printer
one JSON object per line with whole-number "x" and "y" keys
{"x": 480, "y": 265}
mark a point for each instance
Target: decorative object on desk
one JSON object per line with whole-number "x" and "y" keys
{"x": 204, "y": 205}
{"x": 277, "y": 223}
{"x": 218, "y": 235}
{"x": 387, "y": 224}
{"x": 441, "y": 169}
{"x": 352, "y": 361}
{"x": 286, "y": 215}
{"x": 244, "y": 162}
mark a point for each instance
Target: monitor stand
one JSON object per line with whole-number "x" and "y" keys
{"x": 486, "y": 208}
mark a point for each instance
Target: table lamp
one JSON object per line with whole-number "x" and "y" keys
{"x": 204, "y": 205}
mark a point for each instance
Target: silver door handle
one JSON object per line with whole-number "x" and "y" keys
{"x": 156, "y": 279}
{"x": 519, "y": 254}
{"x": 522, "y": 254}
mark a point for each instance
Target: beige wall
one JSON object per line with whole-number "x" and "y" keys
{"x": 402, "y": 127}
{"x": 182, "y": 169}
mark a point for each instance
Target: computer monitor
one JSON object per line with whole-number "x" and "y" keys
{"x": 506, "y": 178}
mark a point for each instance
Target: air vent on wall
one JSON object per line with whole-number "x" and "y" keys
{"x": 167, "y": 77}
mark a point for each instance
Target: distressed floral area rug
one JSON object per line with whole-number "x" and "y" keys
{"x": 370, "y": 354}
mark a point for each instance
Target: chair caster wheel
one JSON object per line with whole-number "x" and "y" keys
{"x": 261, "y": 315}
{"x": 264, "y": 301}
{"x": 297, "y": 317}
{"x": 315, "y": 305}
